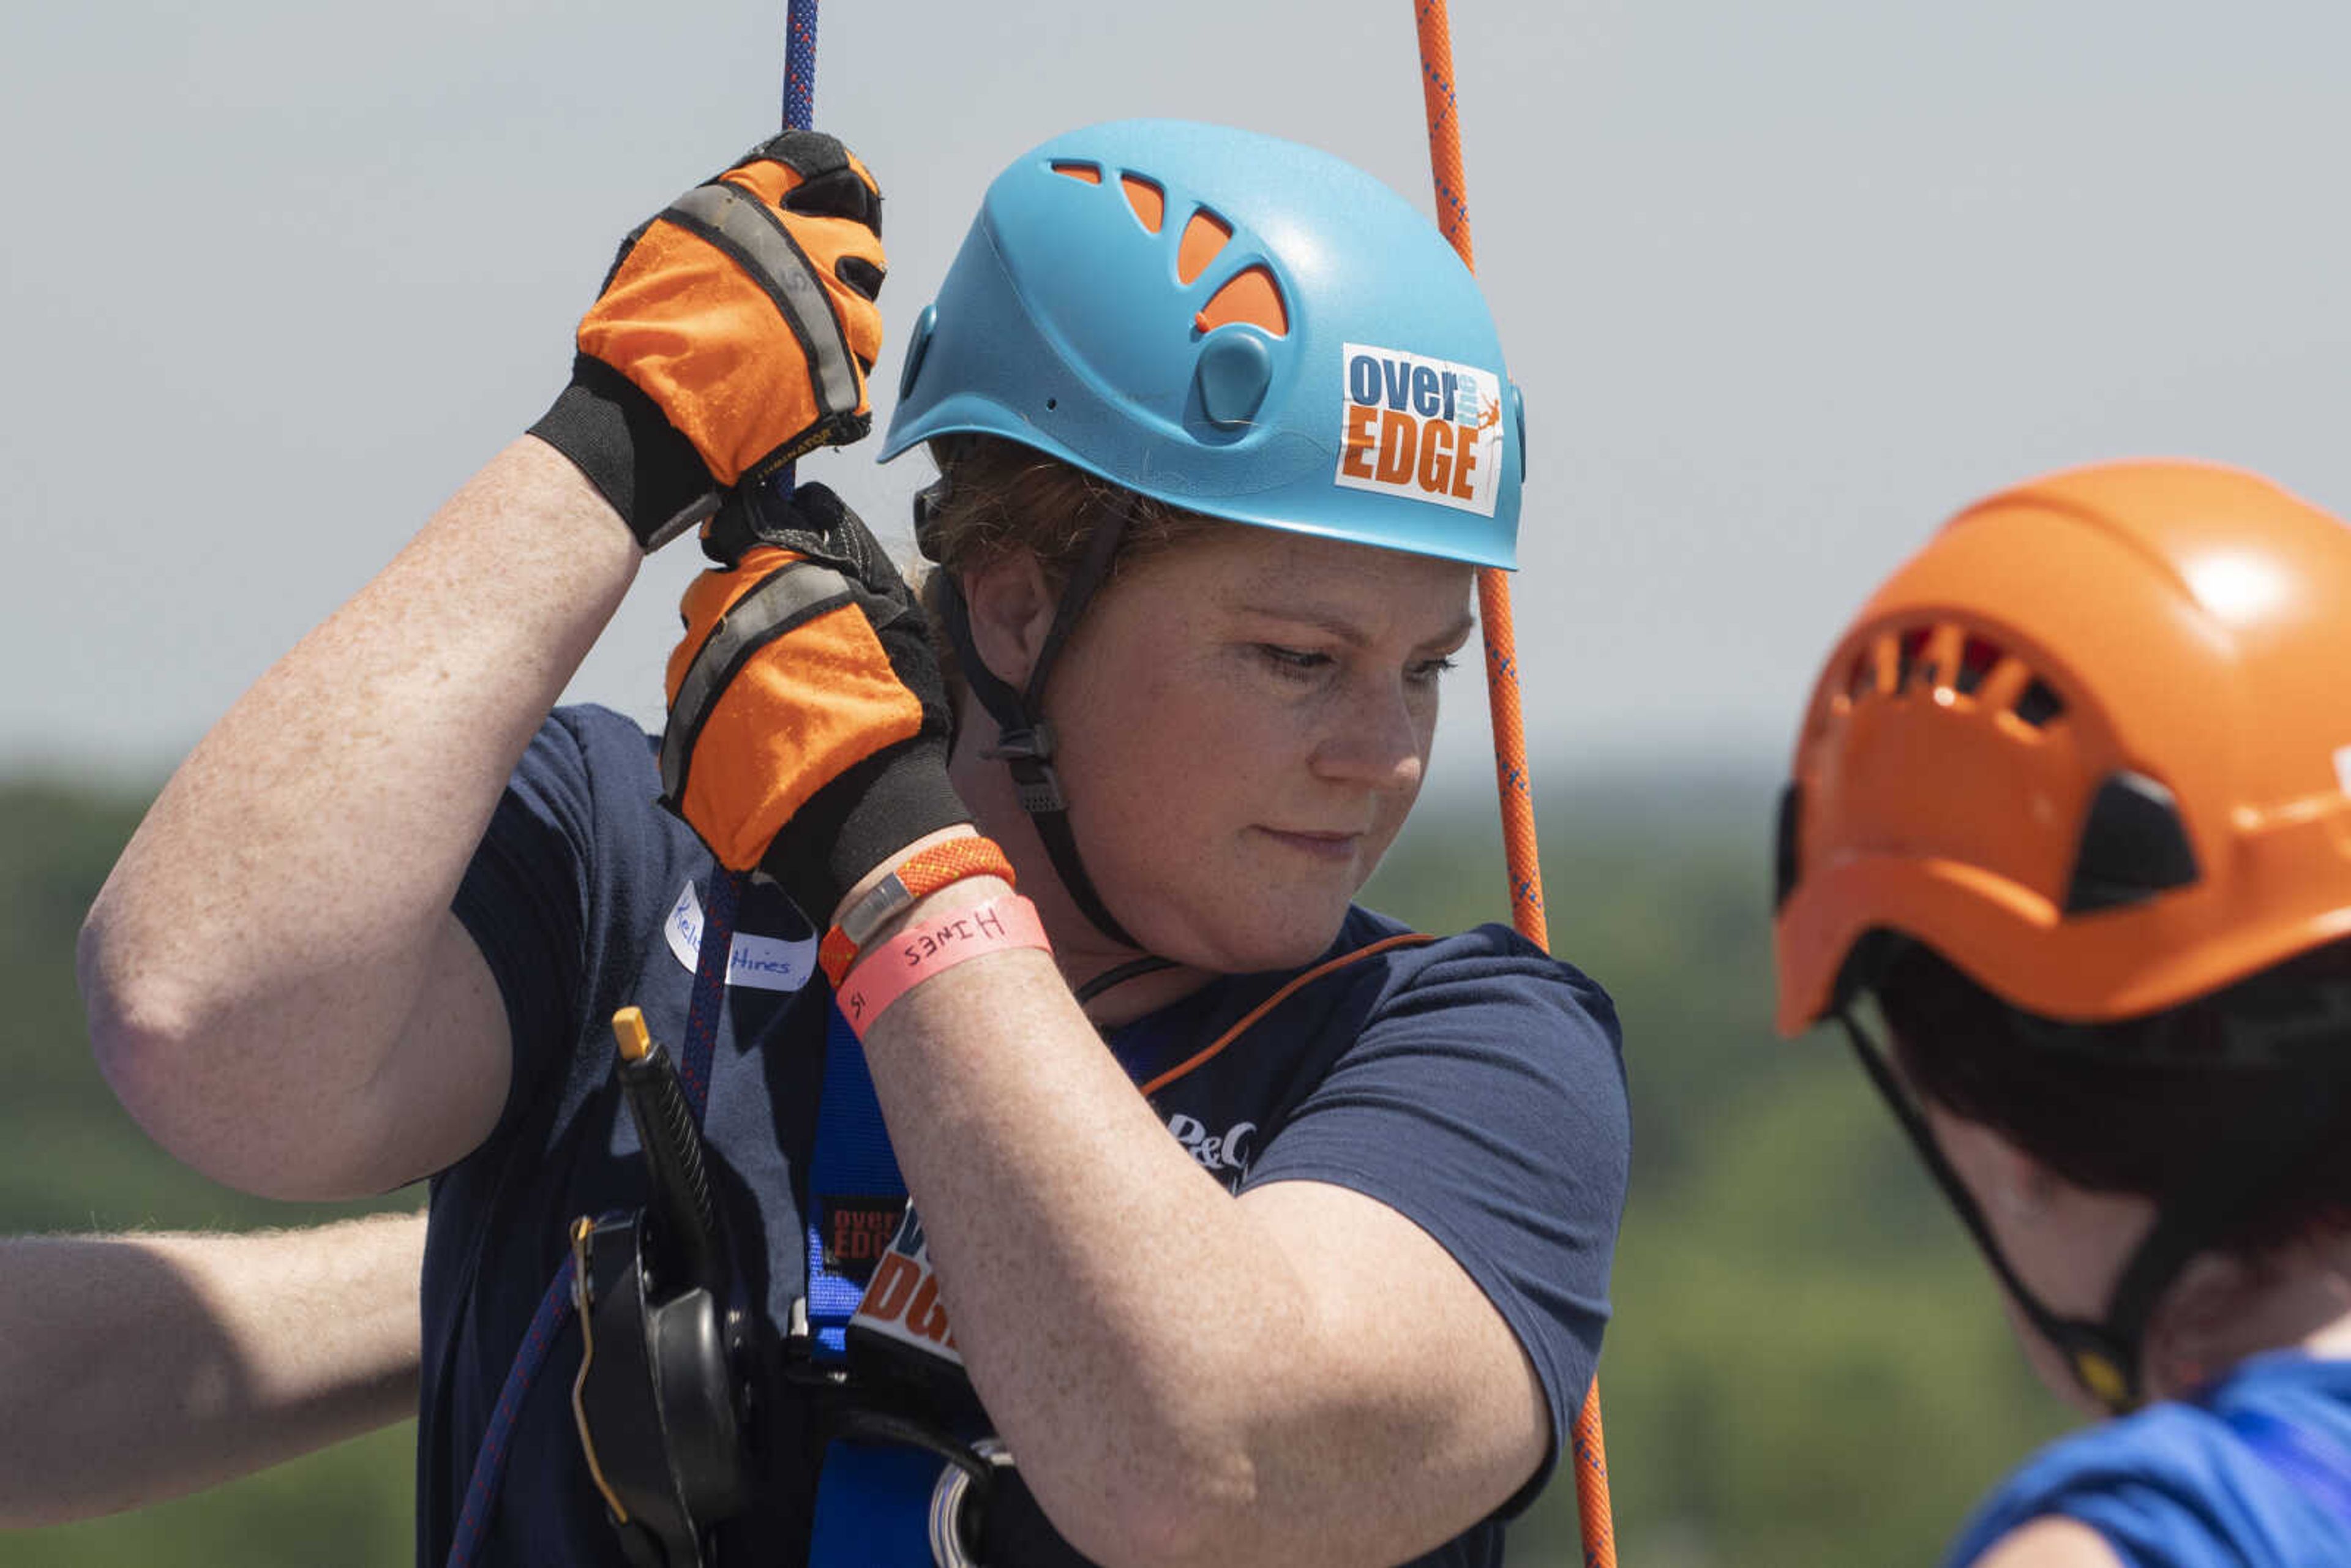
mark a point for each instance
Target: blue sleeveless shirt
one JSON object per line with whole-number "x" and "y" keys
{"x": 2254, "y": 1471}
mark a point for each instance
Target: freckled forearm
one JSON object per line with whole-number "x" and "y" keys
{"x": 1140, "y": 1343}
{"x": 137, "y": 1368}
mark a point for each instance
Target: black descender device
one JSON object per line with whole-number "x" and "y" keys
{"x": 662, "y": 1399}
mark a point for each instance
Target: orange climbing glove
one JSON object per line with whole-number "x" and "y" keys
{"x": 733, "y": 333}
{"x": 808, "y": 719}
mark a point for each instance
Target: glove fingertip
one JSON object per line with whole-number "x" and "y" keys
{"x": 808, "y": 154}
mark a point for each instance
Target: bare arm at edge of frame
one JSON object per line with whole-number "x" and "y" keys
{"x": 277, "y": 989}
{"x": 2050, "y": 1542}
{"x": 134, "y": 1369}
{"x": 1298, "y": 1376}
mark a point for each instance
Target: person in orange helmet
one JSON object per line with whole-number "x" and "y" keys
{"x": 2067, "y": 854}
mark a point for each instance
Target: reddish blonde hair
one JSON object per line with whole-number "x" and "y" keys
{"x": 997, "y": 496}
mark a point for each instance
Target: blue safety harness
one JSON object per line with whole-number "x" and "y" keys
{"x": 873, "y": 1499}
{"x": 864, "y": 1486}
{"x": 907, "y": 1466}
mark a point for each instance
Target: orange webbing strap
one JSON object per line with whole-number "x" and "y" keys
{"x": 1296, "y": 984}
{"x": 1502, "y": 696}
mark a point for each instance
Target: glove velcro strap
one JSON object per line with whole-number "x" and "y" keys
{"x": 788, "y": 687}
{"x": 641, "y": 464}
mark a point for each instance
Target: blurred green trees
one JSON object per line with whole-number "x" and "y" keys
{"x": 1807, "y": 1364}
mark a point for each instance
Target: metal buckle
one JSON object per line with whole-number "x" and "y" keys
{"x": 885, "y": 899}
{"x": 953, "y": 1542}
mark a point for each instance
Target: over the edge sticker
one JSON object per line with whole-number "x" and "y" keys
{"x": 1429, "y": 430}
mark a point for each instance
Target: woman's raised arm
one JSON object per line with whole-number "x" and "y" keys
{"x": 277, "y": 989}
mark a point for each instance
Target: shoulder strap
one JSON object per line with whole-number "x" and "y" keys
{"x": 856, "y": 1192}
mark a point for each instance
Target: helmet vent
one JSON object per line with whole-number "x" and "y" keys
{"x": 1976, "y": 658}
{"x": 1947, "y": 661}
{"x": 1091, "y": 173}
{"x": 1907, "y": 650}
{"x": 1250, "y": 295}
{"x": 1785, "y": 845}
{"x": 1205, "y": 234}
{"x": 1861, "y": 681}
{"x": 2039, "y": 706}
{"x": 2134, "y": 846}
{"x": 1149, "y": 201}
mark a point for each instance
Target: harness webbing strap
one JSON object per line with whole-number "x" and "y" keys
{"x": 873, "y": 1507}
{"x": 851, "y": 1160}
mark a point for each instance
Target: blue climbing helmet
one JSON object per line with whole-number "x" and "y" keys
{"x": 1232, "y": 324}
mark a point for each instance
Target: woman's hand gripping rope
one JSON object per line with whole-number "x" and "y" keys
{"x": 733, "y": 334}
{"x": 809, "y": 721}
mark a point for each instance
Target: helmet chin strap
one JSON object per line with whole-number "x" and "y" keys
{"x": 1025, "y": 742}
{"x": 2105, "y": 1355}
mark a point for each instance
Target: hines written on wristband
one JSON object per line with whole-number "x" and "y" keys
{"x": 919, "y": 952}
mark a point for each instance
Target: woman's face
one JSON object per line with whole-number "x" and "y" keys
{"x": 1243, "y": 723}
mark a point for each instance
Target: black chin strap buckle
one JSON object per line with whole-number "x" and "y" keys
{"x": 2102, "y": 1372}
{"x": 1029, "y": 742}
{"x": 1027, "y": 749}
{"x": 2103, "y": 1357}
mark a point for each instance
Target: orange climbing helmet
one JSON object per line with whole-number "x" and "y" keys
{"x": 2092, "y": 744}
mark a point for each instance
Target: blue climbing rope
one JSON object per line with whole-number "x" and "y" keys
{"x": 490, "y": 1462}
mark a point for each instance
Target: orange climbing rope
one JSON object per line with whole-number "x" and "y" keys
{"x": 1502, "y": 696}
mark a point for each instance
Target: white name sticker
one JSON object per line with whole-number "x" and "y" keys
{"x": 763, "y": 962}
{"x": 1428, "y": 430}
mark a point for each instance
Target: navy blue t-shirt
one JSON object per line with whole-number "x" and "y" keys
{"x": 1471, "y": 1084}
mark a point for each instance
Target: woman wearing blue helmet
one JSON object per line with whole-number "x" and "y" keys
{"x": 1244, "y": 1224}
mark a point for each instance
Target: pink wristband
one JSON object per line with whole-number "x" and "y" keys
{"x": 915, "y": 955}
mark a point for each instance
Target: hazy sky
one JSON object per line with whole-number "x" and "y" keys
{"x": 1784, "y": 284}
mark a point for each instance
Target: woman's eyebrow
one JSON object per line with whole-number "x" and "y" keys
{"x": 1339, "y": 626}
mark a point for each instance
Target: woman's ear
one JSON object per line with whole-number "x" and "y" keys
{"x": 1011, "y": 607}
{"x": 2200, "y": 1326}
